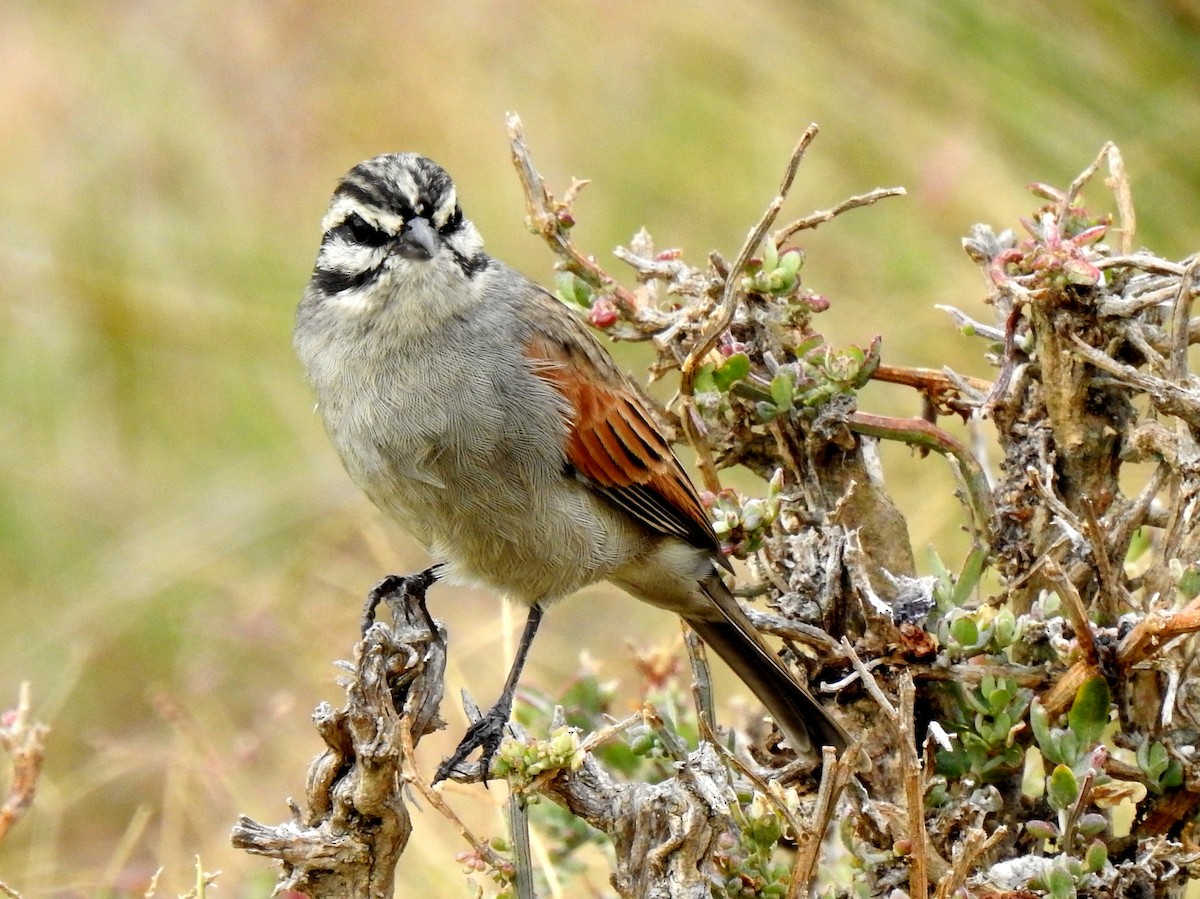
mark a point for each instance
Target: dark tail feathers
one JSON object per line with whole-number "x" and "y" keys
{"x": 744, "y": 650}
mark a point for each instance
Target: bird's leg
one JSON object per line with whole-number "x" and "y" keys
{"x": 395, "y": 589}
{"x": 485, "y": 733}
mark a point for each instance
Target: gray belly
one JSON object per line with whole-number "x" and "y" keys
{"x": 473, "y": 467}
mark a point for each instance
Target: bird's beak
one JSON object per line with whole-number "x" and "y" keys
{"x": 418, "y": 240}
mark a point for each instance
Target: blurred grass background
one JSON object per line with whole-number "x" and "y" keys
{"x": 182, "y": 556}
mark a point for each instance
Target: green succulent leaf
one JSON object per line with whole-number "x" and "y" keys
{"x": 733, "y": 369}
{"x": 705, "y": 382}
{"x": 770, "y": 257}
{"x": 1060, "y": 883}
{"x": 1173, "y": 776}
{"x": 1039, "y": 720}
{"x": 968, "y": 580}
{"x": 1062, "y": 788}
{"x": 1090, "y": 710}
{"x": 953, "y": 763}
{"x": 964, "y": 631}
{"x": 782, "y": 390}
{"x": 573, "y": 290}
{"x": 766, "y": 411}
{"x": 790, "y": 261}
{"x": 806, "y": 347}
{"x": 1004, "y": 627}
{"x": 1092, "y": 824}
{"x": 1189, "y": 582}
{"x": 1000, "y": 699}
{"x": 1069, "y": 746}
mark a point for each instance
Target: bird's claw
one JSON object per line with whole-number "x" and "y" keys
{"x": 485, "y": 735}
{"x": 394, "y": 590}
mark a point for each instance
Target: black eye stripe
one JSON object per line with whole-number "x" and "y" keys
{"x": 356, "y": 229}
{"x": 453, "y": 223}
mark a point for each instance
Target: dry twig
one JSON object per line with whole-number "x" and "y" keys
{"x": 24, "y": 740}
{"x": 355, "y": 825}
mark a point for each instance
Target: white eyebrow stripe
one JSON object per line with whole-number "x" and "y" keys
{"x": 442, "y": 214}
{"x": 343, "y": 207}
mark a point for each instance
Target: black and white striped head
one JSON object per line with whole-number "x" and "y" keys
{"x": 394, "y": 226}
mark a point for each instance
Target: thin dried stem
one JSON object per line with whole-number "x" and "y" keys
{"x": 518, "y": 830}
{"x": 973, "y": 846}
{"x": 914, "y": 790}
{"x": 1073, "y": 603}
{"x": 1110, "y": 589}
{"x": 728, "y": 304}
{"x": 812, "y": 220}
{"x": 24, "y": 741}
{"x": 547, "y": 223}
{"x": 1170, "y": 398}
{"x": 835, "y": 775}
{"x": 1081, "y": 179}
{"x": 903, "y": 726}
{"x": 434, "y": 798}
{"x": 1155, "y": 631}
{"x": 1118, "y": 180}
{"x": 1180, "y": 314}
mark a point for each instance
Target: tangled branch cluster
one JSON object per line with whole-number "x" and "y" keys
{"x": 1029, "y": 713}
{"x": 1079, "y": 593}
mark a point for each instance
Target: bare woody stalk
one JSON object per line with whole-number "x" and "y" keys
{"x": 355, "y": 824}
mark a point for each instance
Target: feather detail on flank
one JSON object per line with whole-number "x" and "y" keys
{"x": 614, "y": 445}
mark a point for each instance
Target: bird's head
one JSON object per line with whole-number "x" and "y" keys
{"x": 395, "y": 238}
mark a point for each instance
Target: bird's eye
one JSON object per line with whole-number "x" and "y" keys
{"x": 452, "y": 223}
{"x": 361, "y": 232}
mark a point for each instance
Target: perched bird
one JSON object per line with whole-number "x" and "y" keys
{"x": 473, "y": 407}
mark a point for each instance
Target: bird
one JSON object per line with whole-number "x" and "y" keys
{"x": 476, "y": 409}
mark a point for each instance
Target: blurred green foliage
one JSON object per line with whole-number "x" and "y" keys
{"x": 181, "y": 555}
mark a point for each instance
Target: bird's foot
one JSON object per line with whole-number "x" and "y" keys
{"x": 399, "y": 592}
{"x": 485, "y": 735}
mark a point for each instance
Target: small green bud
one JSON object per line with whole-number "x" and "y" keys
{"x": 770, "y": 258}
{"x": 1042, "y": 830}
{"x": 790, "y": 261}
{"x": 1096, "y": 857}
{"x": 1060, "y": 884}
{"x": 1004, "y": 626}
{"x": 1091, "y": 824}
{"x": 782, "y": 390}
{"x": 1062, "y": 789}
